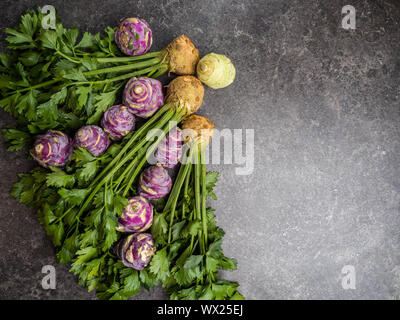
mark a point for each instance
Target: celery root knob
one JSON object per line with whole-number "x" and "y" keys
{"x": 182, "y": 56}
{"x": 186, "y": 92}
{"x": 202, "y": 129}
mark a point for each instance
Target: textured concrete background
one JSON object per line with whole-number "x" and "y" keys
{"x": 324, "y": 103}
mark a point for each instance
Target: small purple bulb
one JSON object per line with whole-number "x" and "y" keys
{"x": 117, "y": 122}
{"x": 143, "y": 96}
{"x": 154, "y": 183}
{"x": 133, "y": 36}
{"x": 136, "y": 250}
{"x": 53, "y": 149}
{"x": 93, "y": 138}
{"x": 137, "y": 216}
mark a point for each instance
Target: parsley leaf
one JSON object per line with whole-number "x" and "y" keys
{"x": 73, "y": 196}
{"x": 58, "y": 178}
{"x": 159, "y": 265}
{"x": 193, "y": 261}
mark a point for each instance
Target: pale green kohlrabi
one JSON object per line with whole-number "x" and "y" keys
{"x": 216, "y": 70}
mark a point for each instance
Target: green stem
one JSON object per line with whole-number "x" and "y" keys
{"x": 203, "y": 194}
{"x": 192, "y": 247}
{"x": 191, "y": 244}
{"x": 127, "y": 67}
{"x": 81, "y": 53}
{"x": 161, "y": 70}
{"x": 183, "y": 172}
{"x": 159, "y": 67}
{"x": 40, "y": 85}
{"x": 176, "y": 190}
{"x": 188, "y": 162}
{"x": 105, "y": 198}
{"x": 192, "y": 212}
{"x": 185, "y": 192}
{"x": 128, "y": 175}
{"x": 200, "y": 193}
{"x": 158, "y": 54}
{"x": 63, "y": 215}
{"x": 68, "y": 57}
{"x": 127, "y": 172}
{"x": 197, "y": 190}
{"x": 133, "y": 176}
{"x": 122, "y": 77}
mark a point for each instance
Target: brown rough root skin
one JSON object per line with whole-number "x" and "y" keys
{"x": 182, "y": 56}
{"x": 202, "y": 126}
{"x": 186, "y": 92}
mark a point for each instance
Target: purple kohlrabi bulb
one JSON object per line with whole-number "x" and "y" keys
{"x": 133, "y": 36}
{"x": 53, "y": 148}
{"x": 154, "y": 183}
{"x": 137, "y": 216}
{"x": 143, "y": 96}
{"x": 136, "y": 250}
{"x": 118, "y": 122}
{"x": 169, "y": 151}
{"x": 92, "y": 138}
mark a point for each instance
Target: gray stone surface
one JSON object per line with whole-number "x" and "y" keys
{"x": 324, "y": 104}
